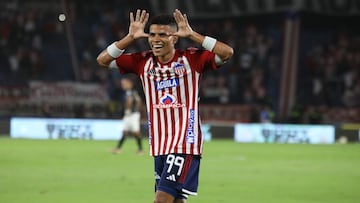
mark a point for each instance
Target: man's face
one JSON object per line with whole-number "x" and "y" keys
{"x": 161, "y": 41}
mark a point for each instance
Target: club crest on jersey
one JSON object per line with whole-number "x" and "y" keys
{"x": 179, "y": 68}
{"x": 168, "y": 101}
{"x": 167, "y": 83}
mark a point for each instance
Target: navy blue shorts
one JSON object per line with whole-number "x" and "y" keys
{"x": 177, "y": 174}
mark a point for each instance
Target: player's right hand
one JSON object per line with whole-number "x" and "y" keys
{"x": 138, "y": 23}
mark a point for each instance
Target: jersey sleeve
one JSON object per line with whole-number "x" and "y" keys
{"x": 201, "y": 60}
{"x": 130, "y": 63}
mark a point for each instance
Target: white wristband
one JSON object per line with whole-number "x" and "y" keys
{"x": 209, "y": 43}
{"x": 114, "y": 51}
{"x": 113, "y": 65}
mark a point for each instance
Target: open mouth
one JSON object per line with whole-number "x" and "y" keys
{"x": 157, "y": 47}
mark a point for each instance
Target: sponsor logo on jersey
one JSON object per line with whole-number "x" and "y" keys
{"x": 168, "y": 101}
{"x": 179, "y": 68}
{"x": 190, "y": 135}
{"x": 167, "y": 83}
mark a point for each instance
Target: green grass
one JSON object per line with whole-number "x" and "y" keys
{"x": 75, "y": 171}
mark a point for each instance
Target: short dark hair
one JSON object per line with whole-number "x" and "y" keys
{"x": 163, "y": 19}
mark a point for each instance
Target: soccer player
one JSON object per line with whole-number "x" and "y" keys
{"x": 170, "y": 80}
{"x": 131, "y": 119}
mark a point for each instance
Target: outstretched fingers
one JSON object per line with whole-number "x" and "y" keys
{"x": 138, "y": 21}
{"x": 140, "y": 16}
{"x": 137, "y": 17}
{"x": 179, "y": 17}
{"x": 184, "y": 29}
{"x": 131, "y": 17}
{"x": 144, "y": 17}
{"x": 186, "y": 19}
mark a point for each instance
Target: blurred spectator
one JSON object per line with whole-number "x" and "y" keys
{"x": 215, "y": 90}
{"x": 266, "y": 114}
{"x": 296, "y": 114}
{"x": 45, "y": 110}
{"x": 312, "y": 115}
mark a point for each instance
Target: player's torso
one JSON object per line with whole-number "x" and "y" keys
{"x": 171, "y": 85}
{"x": 171, "y": 92}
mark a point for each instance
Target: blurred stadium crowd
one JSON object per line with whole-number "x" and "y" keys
{"x": 37, "y": 46}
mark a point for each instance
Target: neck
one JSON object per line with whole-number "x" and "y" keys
{"x": 167, "y": 58}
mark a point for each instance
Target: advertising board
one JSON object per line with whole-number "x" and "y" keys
{"x": 65, "y": 128}
{"x": 284, "y": 133}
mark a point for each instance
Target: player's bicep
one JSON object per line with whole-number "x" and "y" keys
{"x": 209, "y": 61}
{"x": 199, "y": 60}
{"x": 128, "y": 63}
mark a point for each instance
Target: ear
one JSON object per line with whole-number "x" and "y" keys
{"x": 175, "y": 39}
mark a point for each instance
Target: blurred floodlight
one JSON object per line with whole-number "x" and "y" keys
{"x": 62, "y": 17}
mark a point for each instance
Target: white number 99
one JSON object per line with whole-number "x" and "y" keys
{"x": 175, "y": 160}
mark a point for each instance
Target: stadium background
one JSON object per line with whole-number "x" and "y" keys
{"x": 296, "y": 65}
{"x": 295, "y": 61}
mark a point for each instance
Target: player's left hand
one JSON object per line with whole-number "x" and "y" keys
{"x": 184, "y": 29}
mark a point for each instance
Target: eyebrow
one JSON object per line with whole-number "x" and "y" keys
{"x": 159, "y": 33}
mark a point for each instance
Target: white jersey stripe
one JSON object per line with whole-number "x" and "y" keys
{"x": 179, "y": 124}
{"x": 196, "y": 130}
{"x": 145, "y": 83}
{"x": 176, "y": 130}
{"x": 157, "y": 116}
{"x": 169, "y": 132}
{"x": 166, "y": 121}
{"x": 153, "y": 99}
{"x": 185, "y": 111}
{"x": 190, "y": 104}
{"x": 163, "y": 132}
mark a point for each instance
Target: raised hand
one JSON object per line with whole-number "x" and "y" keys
{"x": 184, "y": 29}
{"x": 138, "y": 23}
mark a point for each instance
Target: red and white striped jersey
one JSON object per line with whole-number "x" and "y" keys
{"x": 172, "y": 97}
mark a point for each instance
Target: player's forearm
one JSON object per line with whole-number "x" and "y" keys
{"x": 196, "y": 37}
{"x": 104, "y": 58}
{"x": 125, "y": 42}
{"x": 221, "y": 49}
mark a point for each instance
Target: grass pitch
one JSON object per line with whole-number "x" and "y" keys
{"x": 76, "y": 171}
